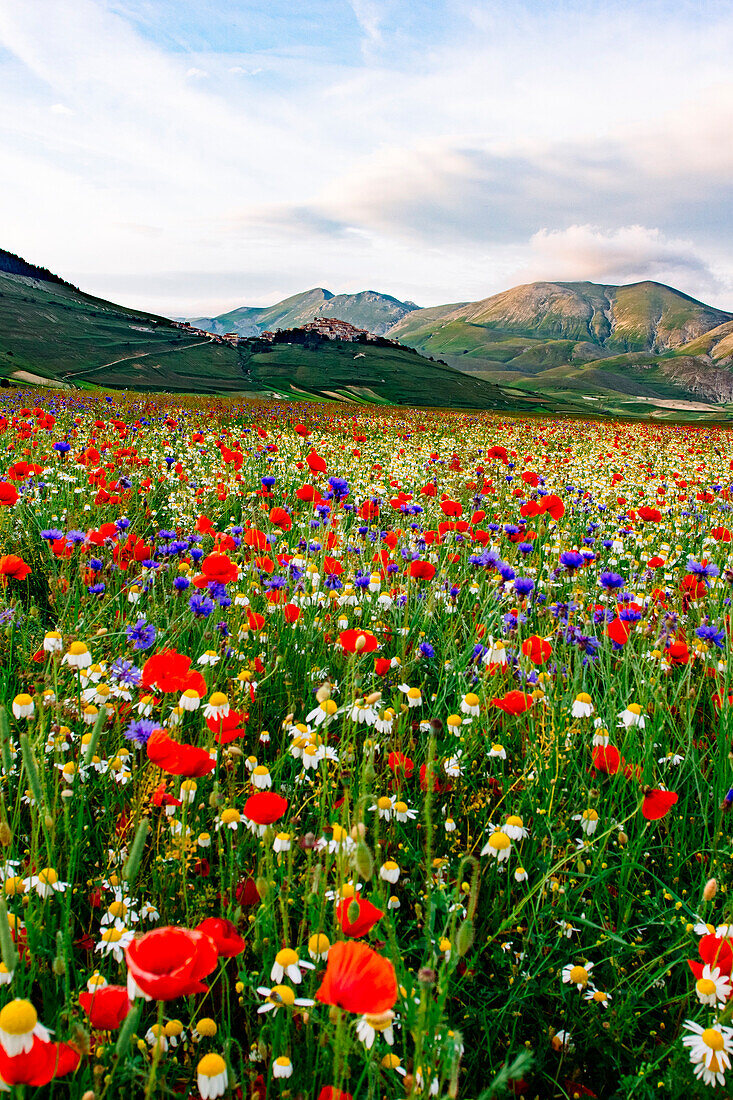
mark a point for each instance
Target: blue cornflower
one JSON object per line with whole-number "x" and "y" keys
{"x": 611, "y": 581}
{"x": 426, "y": 650}
{"x": 201, "y": 606}
{"x": 181, "y": 584}
{"x": 125, "y": 672}
{"x": 62, "y": 447}
{"x": 51, "y": 534}
{"x": 523, "y": 585}
{"x": 700, "y": 570}
{"x": 708, "y": 633}
{"x": 96, "y": 589}
{"x": 571, "y": 560}
{"x": 139, "y": 731}
{"x": 142, "y": 634}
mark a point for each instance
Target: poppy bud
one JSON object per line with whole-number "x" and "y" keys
{"x": 323, "y": 693}
{"x": 464, "y": 937}
{"x": 359, "y": 643}
{"x": 6, "y": 836}
{"x": 353, "y": 912}
{"x": 364, "y": 864}
{"x": 711, "y": 889}
{"x": 263, "y": 887}
{"x": 623, "y": 839}
{"x": 358, "y": 830}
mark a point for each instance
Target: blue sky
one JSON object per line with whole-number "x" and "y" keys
{"x": 191, "y": 157}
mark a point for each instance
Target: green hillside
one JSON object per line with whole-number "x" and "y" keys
{"x": 368, "y": 309}
{"x": 51, "y": 331}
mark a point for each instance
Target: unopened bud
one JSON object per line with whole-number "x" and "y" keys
{"x": 358, "y": 831}
{"x": 353, "y": 911}
{"x": 359, "y": 643}
{"x": 464, "y": 937}
{"x": 363, "y": 861}
{"x": 323, "y": 693}
{"x": 623, "y": 839}
{"x": 262, "y": 886}
{"x": 6, "y": 836}
{"x": 373, "y": 698}
{"x": 711, "y": 889}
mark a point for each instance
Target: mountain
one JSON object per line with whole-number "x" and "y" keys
{"x": 367, "y": 309}
{"x": 541, "y": 324}
{"x": 51, "y": 332}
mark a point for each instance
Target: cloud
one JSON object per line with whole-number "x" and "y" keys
{"x": 196, "y": 74}
{"x": 60, "y": 109}
{"x": 629, "y": 253}
{"x": 369, "y": 16}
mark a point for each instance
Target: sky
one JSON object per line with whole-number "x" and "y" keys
{"x": 190, "y": 156}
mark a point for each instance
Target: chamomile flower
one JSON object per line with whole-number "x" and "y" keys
{"x": 287, "y": 964}
{"x": 632, "y": 716}
{"x": 499, "y": 846}
{"x": 114, "y": 941}
{"x": 211, "y": 1076}
{"x": 709, "y": 1048}
{"x": 713, "y": 987}
{"x": 281, "y": 996}
{"x": 588, "y": 821}
{"x": 470, "y": 704}
{"x": 583, "y": 706}
{"x": 597, "y": 996}
{"x": 19, "y": 1026}
{"x": 577, "y": 975}
{"x": 369, "y": 1025}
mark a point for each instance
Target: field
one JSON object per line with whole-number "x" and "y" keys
{"x": 362, "y": 752}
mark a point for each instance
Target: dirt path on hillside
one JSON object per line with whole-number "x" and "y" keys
{"x": 135, "y": 355}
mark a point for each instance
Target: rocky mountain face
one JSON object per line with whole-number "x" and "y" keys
{"x": 368, "y": 309}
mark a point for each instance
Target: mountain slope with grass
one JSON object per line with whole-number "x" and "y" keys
{"x": 52, "y": 332}
{"x": 368, "y": 309}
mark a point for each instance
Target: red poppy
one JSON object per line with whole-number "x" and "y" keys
{"x": 552, "y": 506}
{"x": 224, "y": 934}
{"x": 8, "y": 493}
{"x": 498, "y": 452}
{"x": 657, "y": 804}
{"x": 265, "y": 808}
{"x": 400, "y": 764}
{"x": 280, "y": 518}
{"x": 714, "y": 952}
{"x": 514, "y": 702}
{"x": 607, "y": 759}
{"x": 40, "y": 1065}
{"x": 649, "y": 515}
{"x": 14, "y": 567}
{"x": 382, "y": 665}
{"x": 316, "y": 464}
{"x": 618, "y": 631}
{"x": 350, "y": 641}
{"x": 358, "y": 980}
{"x": 423, "y": 570}
{"x": 247, "y": 894}
{"x": 365, "y": 919}
{"x": 537, "y": 649}
{"x": 166, "y": 670}
{"x": 218, "y": 567}
{"x": 255, "y": 621}
{"x": 170, "y": 962}
{"x": 721, "y": 534}
{"x": 107, "y": 1007}
{"x": 329, "y": 1092}
{"x": 256, "y": 539}
{"x": 227, "y": 728}
{"x": 291, "y": 613}
{"x": 178, "y": 759}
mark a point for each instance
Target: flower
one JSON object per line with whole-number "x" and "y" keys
{"x": 514, "y": 828}
{"x": 710, "y": 1050}
{"x": 358, "y": 980}
{"x": 281, "y": 996}
{"x": 19, "y": 1026}
{"x": 657, "y": 803}
{"x": 217, "y": 706}
{"x": 288, "y": 964}
{"x": 357, "y": 916}
{"x": 47, "y": 882}
{"x": 588, "y": 821}
{"x": 282, "y": 1067}
{"x": 370, "y": 1024}
{"x": 106, "y": 1006}
{"x": 499, "y": 846}
{"x": 470, "y": 704}
{"x": 211, "y": 1076}
{"x": 224, "y": 934}
{"x": 713, "y": 987}
{"x": 583, "y": 706}
{"x": 265, "y": 807}
{"x": 632, "y": 716}
{"x": 77, "y": 656}
{"x": 170, "y": 962}
{"x": 574, "y": 974}
{"x": 597, "y": 996}
{"x": 178, "y": 759}
{"x": 389, "y": 871}
{"x": 23, "y": 706}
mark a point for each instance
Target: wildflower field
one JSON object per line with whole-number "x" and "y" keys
{"x": 366, "y": 753}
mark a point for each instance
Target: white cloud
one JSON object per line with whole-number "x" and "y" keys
{"x": 435, "y": 169}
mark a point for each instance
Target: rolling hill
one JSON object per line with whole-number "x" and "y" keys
{"x": 52, "y": 332}
{"x": 367, "y": 309}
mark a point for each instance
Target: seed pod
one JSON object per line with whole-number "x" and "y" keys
{"x": 132, "y": 863}
{"x": 464, "y": 937}
{"x": 6, "y": 836}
